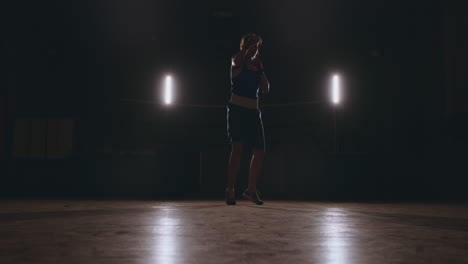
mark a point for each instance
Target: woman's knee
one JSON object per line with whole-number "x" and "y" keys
{"x": 258, "y": 153}
{"x": 237, "y": 148}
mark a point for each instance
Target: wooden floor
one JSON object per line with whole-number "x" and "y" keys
{"x": 82, "y": 231}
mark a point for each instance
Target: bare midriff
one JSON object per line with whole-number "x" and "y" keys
{"x": 244, "y": 101}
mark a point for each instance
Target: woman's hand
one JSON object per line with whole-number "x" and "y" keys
{"x": 257, "y": 62}
{"x": 251, "y": 52}
{"x": 245, "y": 55}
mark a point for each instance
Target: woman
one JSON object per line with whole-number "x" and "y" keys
{"x": 244, "y": 120}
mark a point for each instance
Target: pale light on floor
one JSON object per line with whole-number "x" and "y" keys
{"x": 334, "y": 233}
{"x": 166, "y": 242}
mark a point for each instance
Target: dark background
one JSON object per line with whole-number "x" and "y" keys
{"x": 80, "y": 112}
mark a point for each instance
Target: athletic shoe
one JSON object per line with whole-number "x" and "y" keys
{"x": 230, "y": 196}
{"x": 253, "y": 197}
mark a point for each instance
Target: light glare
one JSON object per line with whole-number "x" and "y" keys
{"x": 168, "y": 90}
{"x": 336, "y": 89}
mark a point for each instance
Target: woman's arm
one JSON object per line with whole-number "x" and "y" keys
{"x": 242, "y": 56}
{"x": 239, "y": 58}
{"x": 264, "y": 84}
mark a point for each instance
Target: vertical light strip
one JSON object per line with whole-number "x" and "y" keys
{"x": 168, "y": 90}
{"x": 336, "y": 89}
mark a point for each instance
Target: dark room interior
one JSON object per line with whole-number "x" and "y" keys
{"x": 90, "y": 146}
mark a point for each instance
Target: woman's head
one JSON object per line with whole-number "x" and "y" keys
{"x": 249, "y": 40}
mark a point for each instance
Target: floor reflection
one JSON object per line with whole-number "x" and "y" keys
{"x": 167, "y": 244}
{"x": 334, "y": 235}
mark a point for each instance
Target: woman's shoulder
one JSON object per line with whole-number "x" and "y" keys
{"x": 235, "y": 54}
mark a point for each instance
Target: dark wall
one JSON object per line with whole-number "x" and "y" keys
{"x": 81, "y": 86}
{"x": 183, "y": 157}
{"x": 3, "y": 127}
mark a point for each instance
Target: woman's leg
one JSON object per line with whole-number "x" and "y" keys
{"x": 234, "y": 163}
{"x": 258, "y": 155}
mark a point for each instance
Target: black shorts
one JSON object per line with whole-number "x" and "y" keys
{"x": 245, "y": 125}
